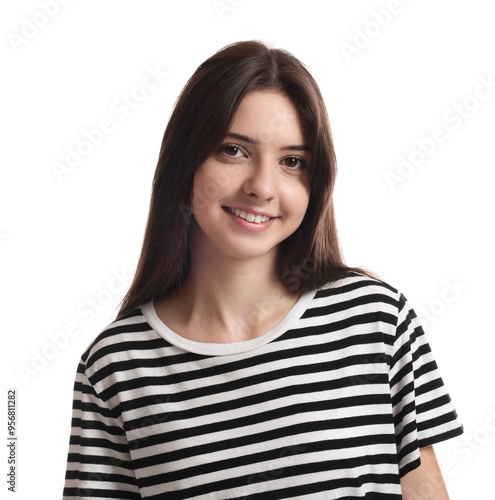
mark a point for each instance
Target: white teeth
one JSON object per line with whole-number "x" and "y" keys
{"x": 257, "y": 219}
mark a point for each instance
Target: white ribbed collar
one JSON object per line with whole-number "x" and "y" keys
{"x": 212, "y": 349}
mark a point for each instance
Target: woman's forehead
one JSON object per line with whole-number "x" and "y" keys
{"x": 269, "y": 116}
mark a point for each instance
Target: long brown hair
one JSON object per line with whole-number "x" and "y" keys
{"x": 311, "y": 256}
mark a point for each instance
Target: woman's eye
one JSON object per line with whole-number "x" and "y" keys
{"x": 293, "y": 162}
{"x": 231, "y": 150}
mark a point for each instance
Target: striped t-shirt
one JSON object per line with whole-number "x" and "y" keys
{"x": 332, "y": 403}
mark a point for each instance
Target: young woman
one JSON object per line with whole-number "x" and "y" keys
{"x": 247, "y": 360}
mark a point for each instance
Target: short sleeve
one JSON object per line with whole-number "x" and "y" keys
{"x": 99, "y": 463}
{"x": 422, "y": 408}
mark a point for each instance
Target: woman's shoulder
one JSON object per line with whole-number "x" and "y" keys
{"x": 121, "y": 335}
{"x": 360, "y": 283}
{"x": 359, "y": 293}
{"x": 358, "y": 298}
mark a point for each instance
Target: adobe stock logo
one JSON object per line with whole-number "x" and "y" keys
{"x": 363, "y": 36}
{"x": 32, "y": 25}
{"x": 223, "y": 7}
{"x": 449, "y": 294}
{"x": 40, "y": 357}
{"x": 472, "y": 443}
{"x": 455, "y": 116}
{"x": 121, "y": 107}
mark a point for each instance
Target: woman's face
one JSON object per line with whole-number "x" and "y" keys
{"x": 253, "y": 192}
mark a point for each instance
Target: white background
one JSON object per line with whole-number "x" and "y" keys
{"x": 65, "y": 238}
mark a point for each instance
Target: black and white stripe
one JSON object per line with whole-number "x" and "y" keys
{"x": 333, "y": 403}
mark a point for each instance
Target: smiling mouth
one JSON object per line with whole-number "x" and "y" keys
{"x": 257, "y": 219}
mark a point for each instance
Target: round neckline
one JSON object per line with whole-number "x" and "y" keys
{"x": 223, "y": 349}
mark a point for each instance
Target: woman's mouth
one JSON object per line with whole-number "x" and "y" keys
{"x": 250, "y": 217}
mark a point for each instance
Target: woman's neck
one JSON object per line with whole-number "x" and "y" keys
{"x": 227, "y": 300}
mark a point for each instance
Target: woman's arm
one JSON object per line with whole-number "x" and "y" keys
{"x": 425, "y": 482}
{"x": 99, "y": 464}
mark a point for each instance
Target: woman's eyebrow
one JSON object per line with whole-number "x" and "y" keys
{"x": 241, "y": 137}
{"x": 250, "y": 140}
{"x": 297, "y": 148}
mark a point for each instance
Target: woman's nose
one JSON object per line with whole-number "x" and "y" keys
{"x": 261, "y": 180}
